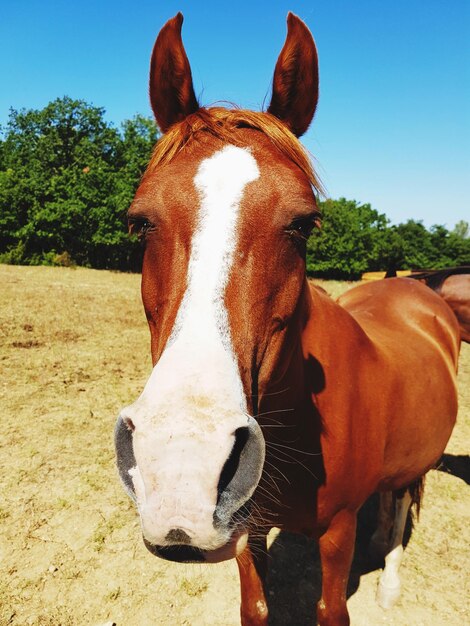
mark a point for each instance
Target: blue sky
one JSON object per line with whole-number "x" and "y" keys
{"x": 393, "y": 124}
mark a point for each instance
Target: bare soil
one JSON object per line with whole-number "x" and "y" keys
{"x": 74, "y": 349}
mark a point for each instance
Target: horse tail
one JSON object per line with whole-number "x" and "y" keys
{"x": 416, "y": 491}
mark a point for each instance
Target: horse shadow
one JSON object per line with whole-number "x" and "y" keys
{"x": 295, "y": 570}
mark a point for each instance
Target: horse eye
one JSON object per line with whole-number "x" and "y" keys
{"x": 139, "y": 226}
{"x": 302, "y": 226}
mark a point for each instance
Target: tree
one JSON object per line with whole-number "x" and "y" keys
{"x": 431, "y": 249}
{"x": 111, "y": 243}
{"x": 461, "y": 230}
{"x": 67, "y": 178}
{"x": 350, "y": 241}
{"x": 417, "y": 244}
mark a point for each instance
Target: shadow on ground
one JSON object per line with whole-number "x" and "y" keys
{"x": 294, "y": 580}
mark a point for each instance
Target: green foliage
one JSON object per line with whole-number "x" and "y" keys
{"x": 350, "y": 241}
{"x": 435, "y": 248}
{"x": 67, "y": 178}
{"x": 355, "y": 238}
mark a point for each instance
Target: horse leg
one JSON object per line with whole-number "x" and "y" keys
{"x": 336, "y": 553}
{"x": 388, "y": 591}
{"x": 380, "y": 540}
{"x": 252, "y": 567}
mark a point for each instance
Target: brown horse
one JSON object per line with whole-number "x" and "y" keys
{"x": 269, "y": 404}
{"x": 452, "y": 284}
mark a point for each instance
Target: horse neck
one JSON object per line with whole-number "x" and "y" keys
{"x": 291, "y": 422}
{"x": 295, "y": 377}
{"x": 323, "y": 337}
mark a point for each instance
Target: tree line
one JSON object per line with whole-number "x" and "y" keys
{"x": 68, "y": 176}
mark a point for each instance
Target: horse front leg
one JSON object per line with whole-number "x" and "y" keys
{"x": 336, "y": 553}
{"x": 252, "y": 566}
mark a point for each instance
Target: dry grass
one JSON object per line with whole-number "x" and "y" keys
{"x": 74, "y": 349}
{"x": 334, "y": 287}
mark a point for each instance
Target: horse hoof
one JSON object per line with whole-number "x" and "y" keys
{"x": 387, "y": 596}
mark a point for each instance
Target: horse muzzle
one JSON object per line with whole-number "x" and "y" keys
{"x": 181, "y": 520}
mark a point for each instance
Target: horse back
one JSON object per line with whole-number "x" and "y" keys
{"x": 401, "y": 312}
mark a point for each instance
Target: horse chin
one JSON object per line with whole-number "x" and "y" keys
{"x": 191, "y": 554}
{"x": 233, "y": 548}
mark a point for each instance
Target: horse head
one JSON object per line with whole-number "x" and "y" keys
{"x": 223, "y": 212}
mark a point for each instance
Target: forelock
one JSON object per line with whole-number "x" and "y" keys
{"x": 222, "y": 123}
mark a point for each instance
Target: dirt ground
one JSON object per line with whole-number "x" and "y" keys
{"x": 74, "y": 349}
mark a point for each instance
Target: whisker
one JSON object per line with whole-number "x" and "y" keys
{"x": 268, "y": 494}
{"x": 286, "y": 460}
{"x": 292, "y": 461}
{"x": 277, "y": 470}
{"x": 274, "y": 411}
{"x": 280, "y": 445}
{"x": 281, "y": 454}
{"x": 264, "y": 478}
{"x": 272, "y": 393}
{"x": 277, "y": 425}
{"x": 270, "y": 419}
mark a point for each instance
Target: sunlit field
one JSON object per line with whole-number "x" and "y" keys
{"x": 74, "y": 349}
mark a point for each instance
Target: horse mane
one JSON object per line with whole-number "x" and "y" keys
{"x": 221, "y": 123}
{"x": 435, "y": 278}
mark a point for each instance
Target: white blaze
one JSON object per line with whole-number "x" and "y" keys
{"x": 193, "y": 402}
{"x": 199, "y": 357}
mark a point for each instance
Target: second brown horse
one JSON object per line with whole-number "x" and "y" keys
{"x": 452, "y": 284}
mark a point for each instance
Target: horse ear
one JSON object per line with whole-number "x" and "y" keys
{"x": 171, "y": 86}
{"x": 295, "y": 82}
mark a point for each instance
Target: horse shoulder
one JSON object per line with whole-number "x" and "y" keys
{"x": 353, "y": 423}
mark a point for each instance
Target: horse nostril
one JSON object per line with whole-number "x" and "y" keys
{"x": 231, "y": 464}
{"x": 125, "y": 453}
{"x": 240, "y": 474}
{"x": 177, "y": 536}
